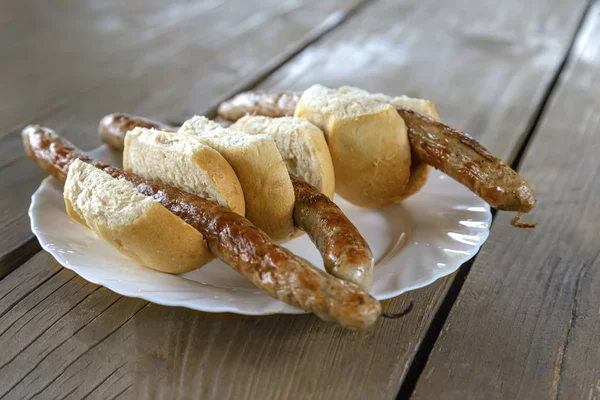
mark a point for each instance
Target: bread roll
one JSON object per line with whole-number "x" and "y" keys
{"x": 421, "y": 106}
{"x": 136, "y": 225}
{"x": 184, "y": 162}
{"x": 419, "y": 171}
{"x": 265, "y": 181}
{"x": 368, "y": 143}
{"x": 301, "y": 145}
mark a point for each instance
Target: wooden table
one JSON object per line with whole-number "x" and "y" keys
{"x": 520, "y": 321}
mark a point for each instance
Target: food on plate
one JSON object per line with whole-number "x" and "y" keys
{"x": 182, "y": 197}
{"x": 464, "y": 159}
{"x": 368, "y": 144}
{"x": 431, "y": 141}
{"x": 230, "y": 237}
{"x": 301, "y": 145}
{"x": 273, "y": 105}
{"x": 185, "y": 162}
{"x": 268, "y": 191}
{"x": 345, "y": 252}
{"x": 136, "y": 225}
{"x": 258, "y": 166}
{"x": 419, "y": 171}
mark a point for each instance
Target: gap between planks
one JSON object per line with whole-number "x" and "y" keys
{"x": 439, "y": 320}
{"x": 18, "y": 257}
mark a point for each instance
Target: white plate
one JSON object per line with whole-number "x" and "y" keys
{"x": 425, "y": 238}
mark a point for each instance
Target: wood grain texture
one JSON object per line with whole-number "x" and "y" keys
{"x": 68, "y": 64}
{"x": 78, "y": 339}
{"x": 181, "y": 354}
{"x": 91, "y": 362}
{"x": 527, "y": 321}
{"x": 59, "y": 339}
{"x": 24, "y": 281}
{"x": 486, "y": 68}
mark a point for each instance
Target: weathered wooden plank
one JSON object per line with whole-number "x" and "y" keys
{"x": 127, "y": 393}
{"x": 68, "y": 64}
{"x": 526, "y": 324}
{"x": 74, "y": 367}
{"x": 24, "y": 281}
{"x": 47, "y": 343}
{"x": 221, "y": 356}
{"x": 436, "y": 54}
{"x": 162, "y": 350}
{"x": 114, "y": 385}
{"x": 23, "y": 312}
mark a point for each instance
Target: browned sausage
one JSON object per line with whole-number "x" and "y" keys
{"x": 231, "y": 238}
{"x": 432, "y": 142}
{"x": 345, "y": 252}
{"x": 259, "y": 103}
{"x": 464, "y": 159}
{"x": 114, "y": 127}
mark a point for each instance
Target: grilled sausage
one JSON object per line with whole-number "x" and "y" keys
{"x": 345, "y": 252}
{"x": 114, "y": 127}
{"x": 231, "y": 238}
{"x": 468, "y": 162}
{"x": 432, "y": 142}
{"x": 259, "y": 103}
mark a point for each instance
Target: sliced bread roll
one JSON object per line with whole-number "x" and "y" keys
{"x": 368, "y": 143}
{"x": 419, "y": 171}
{"x": 184, "y": 162}
{"x": 301, "y": 145}
{"x": 136, "y": 225}
{"x": 265, "y": 181}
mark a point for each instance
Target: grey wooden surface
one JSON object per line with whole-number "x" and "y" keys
{"x": 522, "y": 324}
{"x": 527, "y": 322}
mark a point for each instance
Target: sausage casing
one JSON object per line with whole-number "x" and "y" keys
{"x": 114, "y": 127}
{"x": 468, "y": 162}
{"x": 346, "y": 254}
{"x": 279, "y": 104}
